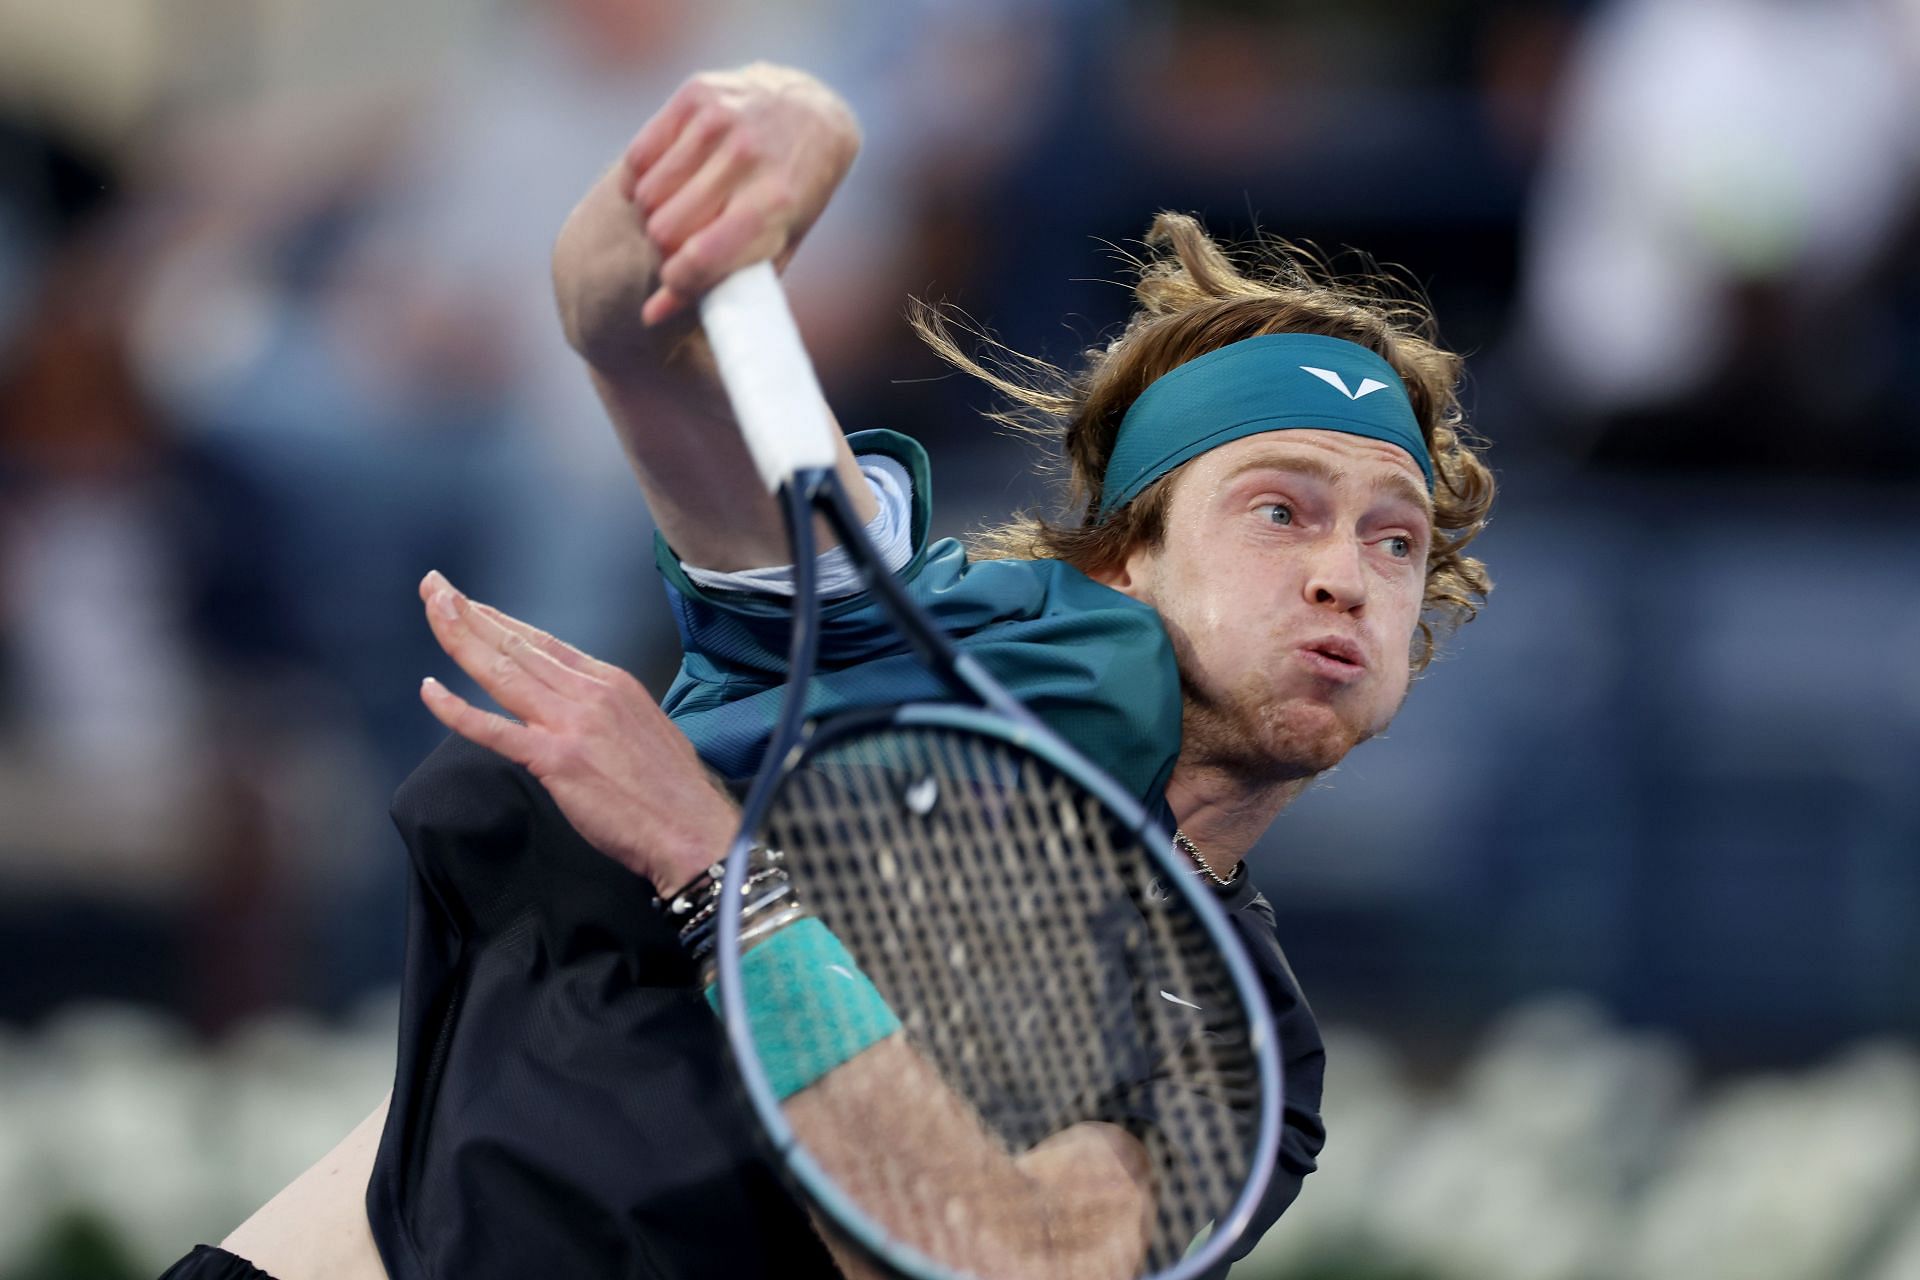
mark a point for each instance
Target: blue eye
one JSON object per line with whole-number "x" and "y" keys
{"x": 1399, "y": 548}
{"x": 1282, "y": 513}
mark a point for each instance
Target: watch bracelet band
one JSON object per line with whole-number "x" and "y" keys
{"x": 698, "y": 941}
{"x": 695, "y": 908}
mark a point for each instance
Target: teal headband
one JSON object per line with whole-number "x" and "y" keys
{"x": 1277, "y": 382}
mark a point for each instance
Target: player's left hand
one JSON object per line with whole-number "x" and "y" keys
{"x": 622, "y": 773}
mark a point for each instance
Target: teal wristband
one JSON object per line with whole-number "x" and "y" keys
{"x": 809, "y": 1008}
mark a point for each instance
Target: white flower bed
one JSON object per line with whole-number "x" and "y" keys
{"x": 1568, "y": 1150}
{"x": 119, "y": 1112}
{"x": 1565, "y": 1150}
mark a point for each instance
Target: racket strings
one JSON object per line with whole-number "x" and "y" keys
{"x": 1034, "y": 959}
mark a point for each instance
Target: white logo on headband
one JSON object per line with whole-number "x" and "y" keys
{"x": 1367, "y": 385}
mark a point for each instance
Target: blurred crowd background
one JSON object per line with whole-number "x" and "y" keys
{"x": 1618, "y": 929}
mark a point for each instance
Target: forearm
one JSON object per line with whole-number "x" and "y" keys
{"x": 915, "y": 1155}
{"x": 695, "y": 473}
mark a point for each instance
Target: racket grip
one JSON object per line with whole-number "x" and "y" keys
{"x": 769, "y": 378}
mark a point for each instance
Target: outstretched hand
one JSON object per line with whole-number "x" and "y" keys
{"x": 622, "y": 773}
{"x": 733, "y": 170}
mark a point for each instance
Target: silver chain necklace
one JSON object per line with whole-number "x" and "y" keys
{"x": 1192, "y": 851}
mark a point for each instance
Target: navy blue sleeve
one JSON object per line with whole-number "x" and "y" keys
{"x": 1303, "y": 1064}
{"x": 1160, "y": 1101}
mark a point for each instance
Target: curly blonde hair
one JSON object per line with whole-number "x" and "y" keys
{"x": 1191, "y": 298}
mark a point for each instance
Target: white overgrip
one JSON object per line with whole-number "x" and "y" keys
{"x": 770, "y": 382}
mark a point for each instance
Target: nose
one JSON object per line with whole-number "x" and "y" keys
{"x": 1335, "y": 576}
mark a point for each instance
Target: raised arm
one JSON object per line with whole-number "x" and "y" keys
{"x": 733, "y": 169}
{"x": 1078, "y": 1205}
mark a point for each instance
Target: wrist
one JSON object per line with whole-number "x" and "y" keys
{"x": 691, "y": 861}
{"x": 604, "y": 268}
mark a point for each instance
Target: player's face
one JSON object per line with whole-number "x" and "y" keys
{"x": 1290, "y": 579}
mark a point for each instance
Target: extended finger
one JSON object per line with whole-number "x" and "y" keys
{"x": 530, "y": 684}
{"x": 546, "y": 643}
{"x": 495, "y": 732}
{"x": 539, "y": 653}
{"x": 698, "y": 202}
{"x": 493, "y": 625}
{"x": 663, "y": 305}
{"x": 697, "y": 139}
{"x": 658, "y": 133}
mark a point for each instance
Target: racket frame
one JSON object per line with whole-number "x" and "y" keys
{"x": 811, "y": 488}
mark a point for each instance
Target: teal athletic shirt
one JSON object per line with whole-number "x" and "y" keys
{"x": 1094, "y": 664}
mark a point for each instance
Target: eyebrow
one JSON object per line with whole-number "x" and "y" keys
{"x": 1393, "y": 484}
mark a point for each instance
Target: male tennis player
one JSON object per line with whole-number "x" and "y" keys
{"x": 1271, "y": 500}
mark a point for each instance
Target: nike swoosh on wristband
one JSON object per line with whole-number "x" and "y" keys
{"x": 1367, "y": 385}
{"x": 1168, "y": 995}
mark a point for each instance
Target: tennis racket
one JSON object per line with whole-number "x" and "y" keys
{"x": 1049, "y": 959}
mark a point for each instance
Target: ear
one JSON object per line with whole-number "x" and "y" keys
{"x": 1130, "y": 576}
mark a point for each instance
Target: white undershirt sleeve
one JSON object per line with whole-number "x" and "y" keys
{"x": 890, "y": 531}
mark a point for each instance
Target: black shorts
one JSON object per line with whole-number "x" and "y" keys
{"x": 209, "y": 1263}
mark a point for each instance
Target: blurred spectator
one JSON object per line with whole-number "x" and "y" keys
{"x": 1722, "y": 247}
{"x": 103, "y": 690}
{"x": 49, "y": 183}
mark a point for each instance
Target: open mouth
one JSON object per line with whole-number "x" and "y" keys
{"x": 1340, "y": 651}
{"x": 1335, "y": 658}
